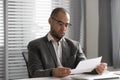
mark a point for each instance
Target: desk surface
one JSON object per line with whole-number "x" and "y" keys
{"x": 81, "y": 77}
{"x": 49, "y": 78}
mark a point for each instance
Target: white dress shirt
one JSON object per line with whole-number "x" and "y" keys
{"x": 58, "y": 48}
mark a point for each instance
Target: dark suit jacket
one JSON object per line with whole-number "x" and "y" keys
{"x": 42, "y": 58}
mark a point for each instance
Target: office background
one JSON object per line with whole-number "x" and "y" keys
{"x": 95, "y": 24}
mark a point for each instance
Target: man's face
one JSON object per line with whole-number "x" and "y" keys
{"x": 59, "y": 25}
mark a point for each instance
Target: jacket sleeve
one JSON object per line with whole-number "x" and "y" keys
{"x": 42, "y": 73}
{"x": 35, "y": 66}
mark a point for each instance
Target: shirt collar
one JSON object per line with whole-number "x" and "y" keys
{"x": 50, "y": 38}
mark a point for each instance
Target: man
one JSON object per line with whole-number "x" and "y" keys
{"x": 54, "y": 55}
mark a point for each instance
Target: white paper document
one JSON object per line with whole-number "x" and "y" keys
{"x": 86, "y": 65}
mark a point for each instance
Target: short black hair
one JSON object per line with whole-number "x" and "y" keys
{"x": 57, "y": 10}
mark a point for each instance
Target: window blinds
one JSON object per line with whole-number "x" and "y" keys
{"x": 20, "y": 20}
{"x": 41, "y": 15}
{"x": 2, "y": 59}
{"x": 61, "y": 3}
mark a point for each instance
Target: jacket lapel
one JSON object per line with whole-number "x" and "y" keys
{"x": 65, "y": 52}
{"x": 52, "y": 51}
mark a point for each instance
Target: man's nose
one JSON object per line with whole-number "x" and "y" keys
{"x": 63, "y": 27}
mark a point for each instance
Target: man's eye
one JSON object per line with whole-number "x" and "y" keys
{"x": 61, "y": 23}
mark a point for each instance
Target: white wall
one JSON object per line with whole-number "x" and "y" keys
{"x": 92, "y": 28}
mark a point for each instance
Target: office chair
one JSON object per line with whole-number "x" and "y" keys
{"x": 25, "y": 56}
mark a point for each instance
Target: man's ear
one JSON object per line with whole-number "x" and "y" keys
{"x": 50, "y": 20}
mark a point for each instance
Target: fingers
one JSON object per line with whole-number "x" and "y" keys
{"x": 61, "y": 72}
{"x": 101, "y": 68}
{"x": 64, "y": 72}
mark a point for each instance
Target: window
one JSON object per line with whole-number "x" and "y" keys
{"x": 24, "y": 21}
{"x": 2, "y": 59}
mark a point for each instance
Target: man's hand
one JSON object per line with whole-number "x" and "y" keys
{"x": 61, "y": 72}
{"x": 101, "y": 68}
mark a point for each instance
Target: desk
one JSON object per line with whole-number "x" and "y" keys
{"x": 49, "y": 78}
{"x": 80, "y": 77}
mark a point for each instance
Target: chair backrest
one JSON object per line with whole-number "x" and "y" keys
{"x": 25, "y": 56}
